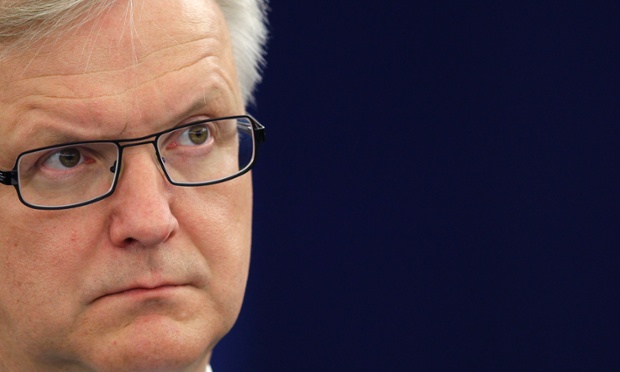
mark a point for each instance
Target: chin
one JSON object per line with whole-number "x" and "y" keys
{"x": 157, "y": 344}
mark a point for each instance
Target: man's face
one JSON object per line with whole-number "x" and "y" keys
{"x": 153, "y": 276}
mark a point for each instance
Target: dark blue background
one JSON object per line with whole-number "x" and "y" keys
{"x": 438, "y": 190}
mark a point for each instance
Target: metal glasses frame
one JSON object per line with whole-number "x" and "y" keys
{"x": 11, "y": 178}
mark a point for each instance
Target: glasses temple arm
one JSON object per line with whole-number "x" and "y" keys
{"x": 259, "y": 131}
{"x": 8, "y": 178}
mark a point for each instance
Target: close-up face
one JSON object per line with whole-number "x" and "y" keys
{"x": 153, "y": 276}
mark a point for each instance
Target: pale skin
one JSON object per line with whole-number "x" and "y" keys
{"x": 151, "y": 278}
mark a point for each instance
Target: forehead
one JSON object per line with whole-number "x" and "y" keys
{"x": 131, "y": 70}
{"x": 132, "y": 29}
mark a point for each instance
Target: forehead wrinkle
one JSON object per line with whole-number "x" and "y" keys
{"x": 209, "y": 50}
{"x": 214, "y": 76}
{"x": 109, "y": 77}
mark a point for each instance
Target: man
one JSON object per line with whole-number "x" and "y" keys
{"x": 126, "y": 208}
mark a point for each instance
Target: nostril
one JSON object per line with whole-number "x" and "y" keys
{"x": 129, "y": 241}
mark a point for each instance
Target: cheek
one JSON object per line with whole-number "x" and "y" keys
{"x": 40, "y": 266}
{"x": 51, "y": 240}
{"x": 218, "y": 217}
{"x": 221, "y": 230}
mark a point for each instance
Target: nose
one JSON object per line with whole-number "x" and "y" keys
{"x": 141, "y": 203}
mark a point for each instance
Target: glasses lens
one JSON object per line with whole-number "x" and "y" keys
{"x": 207, "y": 152}
{"x": 67, "y": 175}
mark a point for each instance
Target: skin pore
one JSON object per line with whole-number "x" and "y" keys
{"x": 152, "y": 277}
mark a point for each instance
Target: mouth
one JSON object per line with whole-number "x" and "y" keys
{"x": 138, "y": 292}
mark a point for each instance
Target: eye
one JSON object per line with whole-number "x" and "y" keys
{"x": 196, "y": 135}
{"x": 64, "y": 158}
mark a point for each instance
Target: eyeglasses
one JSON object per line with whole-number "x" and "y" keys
{"x": 76, "y": 174}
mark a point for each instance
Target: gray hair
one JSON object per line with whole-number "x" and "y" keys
{"x": 24, "y": 22}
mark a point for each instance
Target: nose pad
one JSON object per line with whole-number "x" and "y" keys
{"x": 160, "y": 161}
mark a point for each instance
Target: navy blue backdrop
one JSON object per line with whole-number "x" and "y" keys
{"x": 438, "y": 189}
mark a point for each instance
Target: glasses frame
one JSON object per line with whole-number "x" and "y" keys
{"x": 11, "y": 178}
